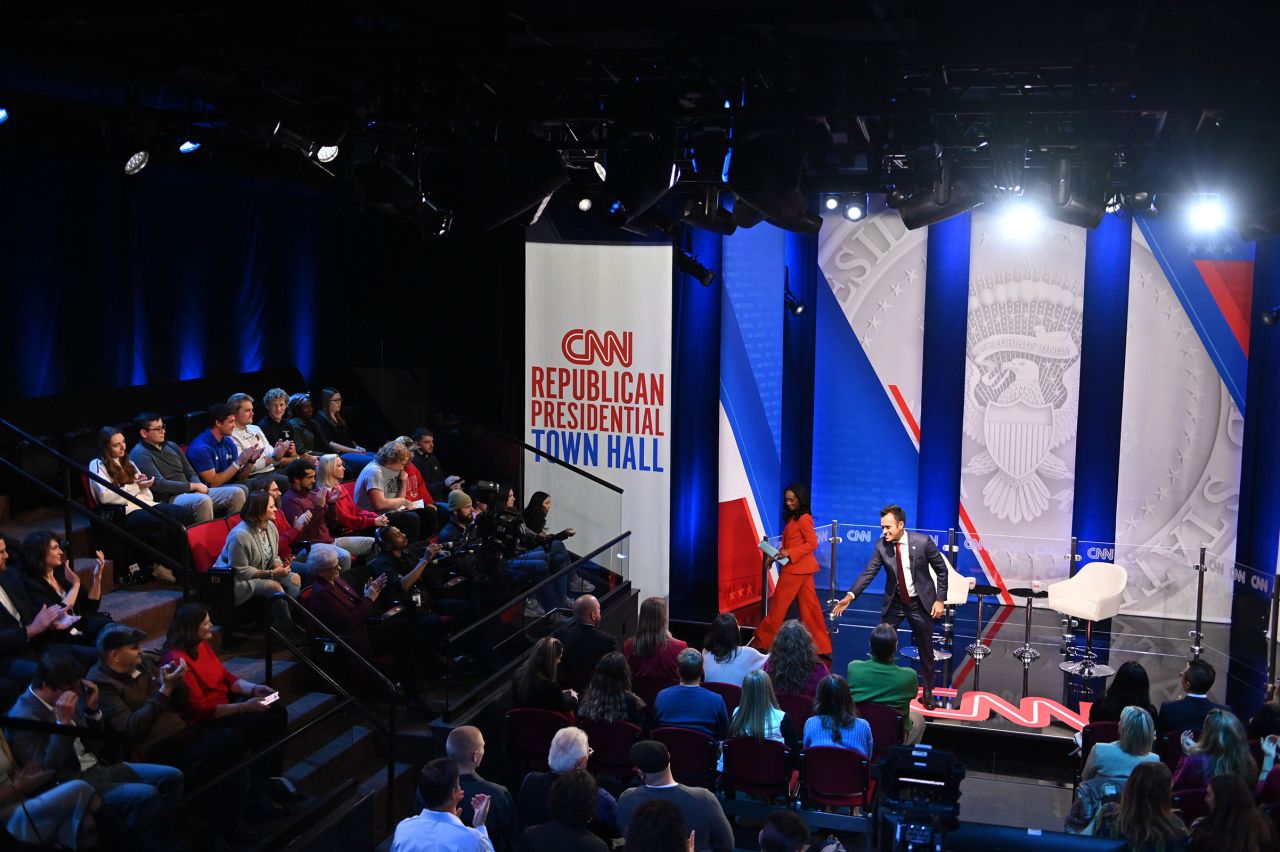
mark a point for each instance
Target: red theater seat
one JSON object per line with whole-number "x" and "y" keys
{"x": 529, "y": 735}
{"x": 759, "y": 768}
{"x": 611, "y": 746}
{"x": 835, "y": 778}
{"x": 887, "y": 727}
{"x": 731, "y": 694}
{"x": 798, "y": 707}
{"x": 693, "y": 755}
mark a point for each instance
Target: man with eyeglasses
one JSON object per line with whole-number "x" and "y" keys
{"x": 176, "y": 481}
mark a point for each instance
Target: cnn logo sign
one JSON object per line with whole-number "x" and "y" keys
{"x": 587, "y": 346}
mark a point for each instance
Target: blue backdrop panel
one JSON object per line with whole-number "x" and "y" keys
{"x": 797, "y": 366}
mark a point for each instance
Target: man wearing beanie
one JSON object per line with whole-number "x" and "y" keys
{"x": 701, "y": 809}
{"x": 460, "y": 520}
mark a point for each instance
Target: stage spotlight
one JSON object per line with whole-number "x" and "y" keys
{"x": 922, "y": 209}
{"x": 764, "y": 171}
{"x": 327, "y": 153}
{"x": 1270, "y": 315}
{"x": 584, "y": 204}
{"x": 707, "y": 213}
{"x": 641, "y": 169}
{"x": 794, "y": 305}
{"x": 1207, "y": 214}
{"x": 190, "y": 146}
{"x": 305, "y": 145}
{"x": 689, "y": 265}
{"x": 137, "y": 161}
{"x": 855, "y": 207}
{"x": 831, "y": 202}
{"x": 4, "y": 115}
{"x": 600, "y": 170}
{"x": 1020, "y": 221}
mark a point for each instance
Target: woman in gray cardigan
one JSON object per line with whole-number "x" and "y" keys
{"x": 252, "y": 552}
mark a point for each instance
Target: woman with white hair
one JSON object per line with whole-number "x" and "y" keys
{"x": 1117, "y": 760}
{"x": 569, "y": 751}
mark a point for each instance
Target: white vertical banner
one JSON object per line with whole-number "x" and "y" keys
{"x": 1022, "y": 383}
{"x": 598, "y": 394}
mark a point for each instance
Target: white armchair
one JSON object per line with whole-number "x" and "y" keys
{"x": 1094, "y": 593}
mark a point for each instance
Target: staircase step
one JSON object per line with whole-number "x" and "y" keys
{"x": 376, "y": 783}
{"x": 84, "y": 568}
{"x": 254, "y": 670}
{"x": 305, "y": 709}
{"x": 342, "y": 757}
{"x": 149, "y": 610}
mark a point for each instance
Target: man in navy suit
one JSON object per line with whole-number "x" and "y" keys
{"x": 1188, "y": 712}
{"x": 910, "y": 590}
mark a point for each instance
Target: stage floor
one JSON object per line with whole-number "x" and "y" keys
{"x": 1001, "y": 695}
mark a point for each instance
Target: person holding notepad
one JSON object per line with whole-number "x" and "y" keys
{"x": 795, "y": 576}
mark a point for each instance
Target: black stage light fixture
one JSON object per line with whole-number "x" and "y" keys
{"x": 764, "y": 172}
{"x": 789, "y": 299}
{"x": 1270, "y": 315}
{"x": 855, "y": 206}
{"x": 518, "y": 178}
{"x": 923, "y": 208}
{"x": 689, "y": 265}
{"x": 706, "y": 213}
{"x": 1066, "y": 198}
{"x": 640, "y": 169}
{"x": 306, "y": 144}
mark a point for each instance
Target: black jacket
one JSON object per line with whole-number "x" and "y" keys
{"x": 555, "y": 836}
{"x": 584, "y": 645}
{"x": 1185, "y": 714}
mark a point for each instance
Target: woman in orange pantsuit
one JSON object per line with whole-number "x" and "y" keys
{"x": 795, "y": 579}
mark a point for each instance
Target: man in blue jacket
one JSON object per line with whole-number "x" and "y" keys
{"x": 689, "y": 704}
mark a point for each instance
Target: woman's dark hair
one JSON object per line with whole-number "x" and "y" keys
{"x": 1131, "y": 687}
{"x": 802, "y": 501}
{"x": 254, "y": 512}
{"x": 121, "y": 472}
{"x": 652, "y": 633}
{"x": 1235, "y": 822}
{"x": 294, "y": 408}
{"x": 184, "y": 629}
{"x": 322, "y": 410}
{"x": 535, "y": 518}
{"x": 792, "y": 657}
{"x": 35, "y": 550}
{"x": 573, "y": 798}
{"x": 605, "y": 699}
{"x": 657, "y": 826}
{"x": 1146, "y": 816}
{"x": 833, "y": 704}
{"x": 723, "y": 638}
{"x": 542, "y": 662}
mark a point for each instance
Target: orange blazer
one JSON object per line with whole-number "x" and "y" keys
{"x": 800, "y": 540}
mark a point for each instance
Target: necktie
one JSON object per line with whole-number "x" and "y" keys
{"x": 902, "y": 578}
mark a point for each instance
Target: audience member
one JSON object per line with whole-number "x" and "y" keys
{"x": 881, "y": 680}
{"x": 641, "y": 822}
{"x": 61, "y": 815}
{"x": 305, "y": 508}
{"x": 536, "y": 684}
{"x": 1129, "y": 688}
{"x": 343, "y": 518}
{"x": 1221, "y": 749}
{"x": 835, "y": 719}
{"x": 25, "y": 631}
{"x": 652, "y": 652}
{"x": 1234, "y": 820}
{"x": 759, "y": 716}
{"x": 535, "y": 518}
{"x": 305, "y": 431}
{"x": 252, "y": 552}
{"x": 793, "y": 662}
{"x": 608, "y": 697}
{"x": 51, "y": 581}
{"x": 1144, "y": 817}
{"x": 380, "y": 488}
{"x": 215, "y": 457}
{"x": 569, "y": 751}
{"x": 724, "y": 658}
{"x": 584, "y": 642}
{"x": 415, "y": 486}
{"x": 1116, "y": 760}
{"x": 1187, "y": 713}
{"x": 274, "y": 456}
{"x": 457, "y": 531}
{"x": 173, "y": 479}
{"x": 525, "y": 559}
{"x": 784, "y": 831}
{"x": 114, "y": 465}
{"x": 136, "y": 792}
{"x": 347, "y": 612}
{"x": 1266, "y": 721}
{"x": 688, "y": 704}
{"x": 570, "y": 805}
{"x": 437, "y": 828}
{"x": 403, "y": 577}
{"x": 211, "y": 692}
{"x": 275, "y": 425}
{"x": 465, "y": 747}
{"x": 424, "y": 459}
{"x": 335, "y": 437}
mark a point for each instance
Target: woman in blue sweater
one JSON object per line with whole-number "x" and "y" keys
{"x": 835, "y": 720}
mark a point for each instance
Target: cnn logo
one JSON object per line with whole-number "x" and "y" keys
{"x": 587, "y": 346}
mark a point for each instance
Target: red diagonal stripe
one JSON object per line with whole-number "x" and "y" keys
{"x": 1230, "y": 282}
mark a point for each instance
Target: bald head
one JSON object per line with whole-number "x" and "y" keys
{"x": 587, "y": 609}
{"x": 465, "y": 747}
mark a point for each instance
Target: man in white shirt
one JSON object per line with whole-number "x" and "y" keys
{"x": 437, "y": 828}
{"x": 248, "y": 435}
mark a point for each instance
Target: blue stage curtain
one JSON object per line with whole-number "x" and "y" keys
{"x": 1102, "y": 358}
{"x": 798, "y": 334}
{"x": 695, "y": 418}
{"x": 1259, "y": 520}
{"x": 946, "y": 307}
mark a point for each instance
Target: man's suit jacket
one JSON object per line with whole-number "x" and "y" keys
{"x": 584, "y": 645}
{"x": 923, "y": 555}
{"x": 13, "y": 634}
{"x": 50, "y": 751}
{"x": 1185, "y": 714}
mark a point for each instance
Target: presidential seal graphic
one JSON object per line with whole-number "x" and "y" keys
{"x": 1022, "y": 388}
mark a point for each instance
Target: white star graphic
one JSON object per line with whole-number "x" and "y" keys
{"x": 896, "y": 289}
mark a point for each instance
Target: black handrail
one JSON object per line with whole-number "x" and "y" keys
{"x": 537, "y": 587}
{"x": 553, "y": 459}
{"x": 387, "y": 685}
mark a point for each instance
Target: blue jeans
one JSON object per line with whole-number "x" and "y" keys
{"x": 137, "y": 792}
{"x": 536, "y": 563}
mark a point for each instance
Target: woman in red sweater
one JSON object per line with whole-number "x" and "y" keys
{"x": 652, "y": 652}
{"x": 343, "y": 515}
{"x": 795, "y": 579}
{"x": 213, "y": 693}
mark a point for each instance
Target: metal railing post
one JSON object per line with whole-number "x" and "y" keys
{"x": 832, "y": 600}
{"x": 1275, "y": 624}
{"x": 764, "y": 581}
{"x": 1196, "y": 636}
{"x": 66, "y": 514}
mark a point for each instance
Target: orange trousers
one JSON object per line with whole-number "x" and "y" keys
{"x": 789, "y": 588}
